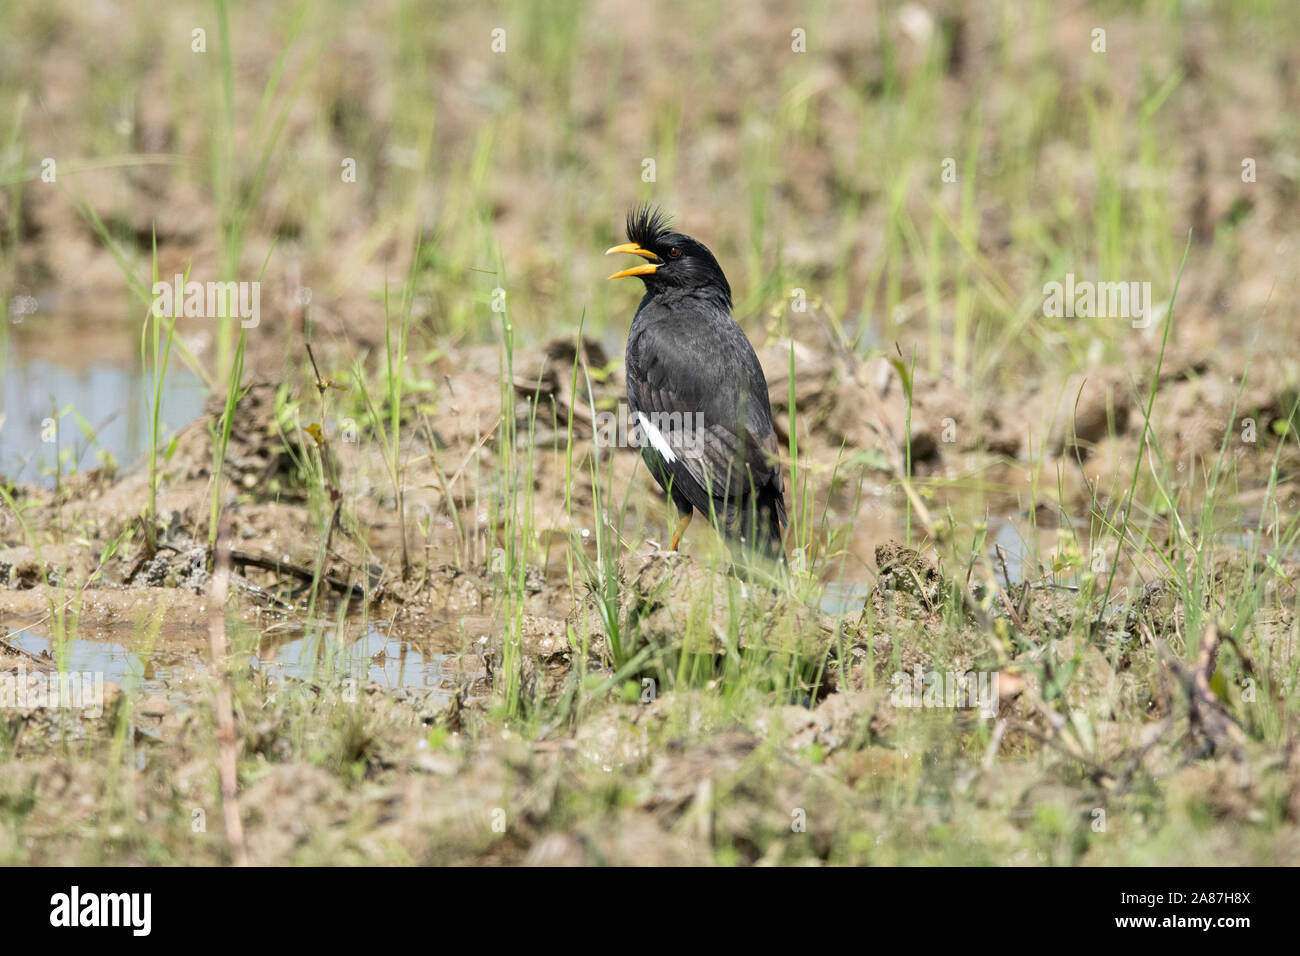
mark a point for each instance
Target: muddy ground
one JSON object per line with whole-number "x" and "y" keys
{"x": 423, "y": 664}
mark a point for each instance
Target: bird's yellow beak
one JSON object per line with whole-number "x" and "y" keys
{"x": 636, "y": 250}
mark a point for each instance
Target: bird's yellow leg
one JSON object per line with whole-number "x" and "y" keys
{"x": 681, "y": 529}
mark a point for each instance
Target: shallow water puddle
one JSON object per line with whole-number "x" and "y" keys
{"x": 115, "y": 663}
{"x": 367, "y": 654}
{"x": 1013, "y": 537}
{"x": 374, "y": 656}
{"x": 1016, "y": 543}
{"x": 78, "y": 409}
{"x": 843, "y": 597}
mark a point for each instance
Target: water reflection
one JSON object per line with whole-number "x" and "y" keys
{"x": 79, "y": 409}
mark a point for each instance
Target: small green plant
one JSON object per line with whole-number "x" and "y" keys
{"x": 155, "y": 350}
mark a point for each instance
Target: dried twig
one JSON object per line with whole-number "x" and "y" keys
{"x": 16, "y": 651}
{"x": 245, "y": 560}
{"x": 1207, "y": 716}
{"x": 1016, "y": 618}
{"x": 226, "y": 740}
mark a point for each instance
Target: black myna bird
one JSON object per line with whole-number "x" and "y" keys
{"x": 697, "y": 391}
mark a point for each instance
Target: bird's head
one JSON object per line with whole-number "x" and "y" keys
{"x": 673, "y": 260}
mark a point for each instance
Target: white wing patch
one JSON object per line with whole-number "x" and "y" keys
{"x": 657, "y": 439}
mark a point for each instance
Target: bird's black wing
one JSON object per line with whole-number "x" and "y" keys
{"x": 694, "y": 377}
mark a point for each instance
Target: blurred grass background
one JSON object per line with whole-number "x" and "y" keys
{"x": 820, "y": 170}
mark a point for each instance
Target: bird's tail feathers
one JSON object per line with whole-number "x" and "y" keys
{"x": 758, "y": 525}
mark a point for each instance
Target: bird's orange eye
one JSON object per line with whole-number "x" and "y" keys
{"x": 674, "y": 252}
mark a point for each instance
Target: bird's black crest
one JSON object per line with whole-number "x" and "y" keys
{"x": 647, "y": 223}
